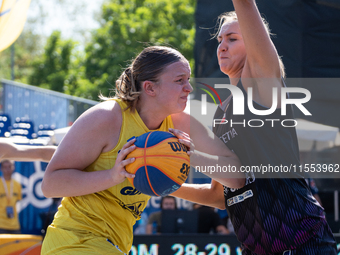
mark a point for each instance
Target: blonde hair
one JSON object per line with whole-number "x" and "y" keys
{"x": 230, "y": 17}
{"x": 147, "y": 66}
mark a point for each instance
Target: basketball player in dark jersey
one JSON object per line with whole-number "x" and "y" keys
{"x": 276, "y": 215}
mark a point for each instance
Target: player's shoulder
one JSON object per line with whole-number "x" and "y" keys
{"x": 181, "y": 121}
{"x": 108, "y": 107}
{"x": 100, "y": 121}
{"x": 105, "y": 113}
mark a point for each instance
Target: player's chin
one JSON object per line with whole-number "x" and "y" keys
{"x": 181, "y": 108}
{"x": 183, "y": 103}
{"x": 224, "y": 69}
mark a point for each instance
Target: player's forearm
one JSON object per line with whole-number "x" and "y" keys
{"x": 262, "y": 55}
{"x": 225, "y": 170}
{"x": 47, "y": 153}
{"x": 33, "y": 153}
{"x": 16, "y": 152}
{"x": 201, "y": 194}
{"x": 73, "y": 182}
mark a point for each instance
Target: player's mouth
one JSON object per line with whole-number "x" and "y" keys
{"x": 185, "y": 98}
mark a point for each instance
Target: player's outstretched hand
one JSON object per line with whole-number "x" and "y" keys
{"x": 118, "y": 172}
{"x": 184, "y": 138}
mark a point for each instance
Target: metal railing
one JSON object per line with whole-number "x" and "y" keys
{"x": 42, "y": 106}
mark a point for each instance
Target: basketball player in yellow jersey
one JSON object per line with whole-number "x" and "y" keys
{"x": 100, "y": 206}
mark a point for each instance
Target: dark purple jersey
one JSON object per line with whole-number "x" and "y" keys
{"x": 269, "y": 215}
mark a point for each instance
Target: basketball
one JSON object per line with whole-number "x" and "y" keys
{"x": 161, "y": 163}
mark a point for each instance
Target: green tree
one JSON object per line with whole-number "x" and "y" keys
{"x": 127, "y": 26}
{"x": 52, "y": 70}
{"x": 130, "y": 25}
{"x": 61, "y": 68}
{"x": 27, "y": 48}
{"x": 5, "y": 64}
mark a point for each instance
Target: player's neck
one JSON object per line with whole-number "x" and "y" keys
{"x": 152, "y": 121}
{"x": 151, "y": 118}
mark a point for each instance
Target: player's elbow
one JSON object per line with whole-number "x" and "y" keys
{"x": 48, "y": 187}
{"x": 218, "y": 202}
{"x": 218, "y": 195}
{"x": 220, "y": 205}
{"x": 45, "y": 189}
{"x": 233, "y": 183}
{"x": 239, "y": 183}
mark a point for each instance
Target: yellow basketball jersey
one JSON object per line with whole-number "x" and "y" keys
{"x": 113, "y": 212}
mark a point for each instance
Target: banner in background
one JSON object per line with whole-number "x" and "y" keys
{"x": 33, "y": 206}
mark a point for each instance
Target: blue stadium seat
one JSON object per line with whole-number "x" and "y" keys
{"x": 23, "y": 128}
{"x": 45, "y": 131}
{"x": 5, "y": 125}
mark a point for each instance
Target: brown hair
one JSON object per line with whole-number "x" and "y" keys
{"x": 229, "y": 17}
{"x": 147, "y": 66}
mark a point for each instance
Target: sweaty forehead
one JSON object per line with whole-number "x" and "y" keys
{"x": 178, "y": 68}
{"x": 230, "y": 27}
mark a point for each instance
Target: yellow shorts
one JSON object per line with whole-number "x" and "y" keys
{"x": 60, "y": 241}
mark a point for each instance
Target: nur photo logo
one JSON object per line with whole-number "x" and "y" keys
{"x": 239, "y": 104}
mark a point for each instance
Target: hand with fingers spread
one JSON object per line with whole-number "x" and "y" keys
{"x": 185, "y": 139}
{"x": 118, "y": 172}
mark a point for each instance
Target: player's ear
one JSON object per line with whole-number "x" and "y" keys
{"x": 149, "y": 88}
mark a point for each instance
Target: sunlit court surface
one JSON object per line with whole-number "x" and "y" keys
{"x": 166, "y": 127}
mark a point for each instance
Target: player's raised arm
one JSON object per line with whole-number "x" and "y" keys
{"x": 9, "y": 150}
{"x": 262, "y": 56}
{"x": 246, "y": 51}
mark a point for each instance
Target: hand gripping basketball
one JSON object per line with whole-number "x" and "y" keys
{"x": 185, "y": 139}
{"x": 118, "y": 172}
{"x": 162, "y": 164}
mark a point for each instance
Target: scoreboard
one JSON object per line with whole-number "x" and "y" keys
{"x": 190, "y": 244}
